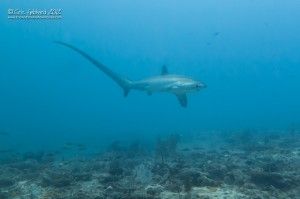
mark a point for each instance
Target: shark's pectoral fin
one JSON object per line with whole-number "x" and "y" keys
{"x": 164, "y": 70}
{"x": 126, "y": 91}
{"x": 182, "y": 99}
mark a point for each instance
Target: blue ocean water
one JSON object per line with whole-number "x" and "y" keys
{"x": 246, "y": 52}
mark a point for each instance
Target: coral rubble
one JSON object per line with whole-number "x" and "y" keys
{"x": 241, "y": 165}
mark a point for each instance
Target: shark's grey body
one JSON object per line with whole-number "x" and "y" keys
{"x": 176, "y": 84}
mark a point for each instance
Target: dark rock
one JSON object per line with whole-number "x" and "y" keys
{"x": 57, "y": 179}
{"x": 28, "y": 165}
{"x": 270, "y": 179}
{"x": 271, "y": 167}
{"x": 193, "y": 177}
{"x": 81, "y": 195}
{"x": 82, "y": 177}
{"x": 6, "y": 183}
{"x": 115, "y": 168}
{"x": 175, "y": 185}
{"x": 38, "y": 156}
{"x": 235, "y": 177}
{"x": 217, "y": 172}
{"x": 99, "y": 197}
{"x": 4, "y": 195}
{"x": 160, "y": 169}
{"x": 154, "y": 189}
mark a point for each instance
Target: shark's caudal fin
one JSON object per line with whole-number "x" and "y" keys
{"x": 121, "y": 81}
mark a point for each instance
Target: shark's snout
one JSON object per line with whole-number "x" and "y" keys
{"x": 201, "y": 85}
{"x": 204, "y": 85}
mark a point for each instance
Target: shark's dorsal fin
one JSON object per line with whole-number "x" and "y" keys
{"x": 182, "y": 98}
{"x": 164, "y": 70}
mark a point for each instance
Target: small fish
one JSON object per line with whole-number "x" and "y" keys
{"x": 198, "y": 148}
{"x": 216, "y": 34}
{"x": 74, "y": 146}
{"x": 82, "y": 148}
{"x": 185, "y": 149}
{"x": 80, "y": 145}
{"x": 4, "y": 133}
{"x": 69, "y": 144}
{"x": 66, "y": 147}
{"x": 6, "y": 151}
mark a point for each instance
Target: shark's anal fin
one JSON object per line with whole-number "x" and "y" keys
{"x": 164, "y": 70}
{"x": 182, "y": 98}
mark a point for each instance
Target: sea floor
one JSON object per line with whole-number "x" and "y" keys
{"x": 213, "y": 165}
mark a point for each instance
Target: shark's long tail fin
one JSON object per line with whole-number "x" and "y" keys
{"x": 121, "y": 81}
